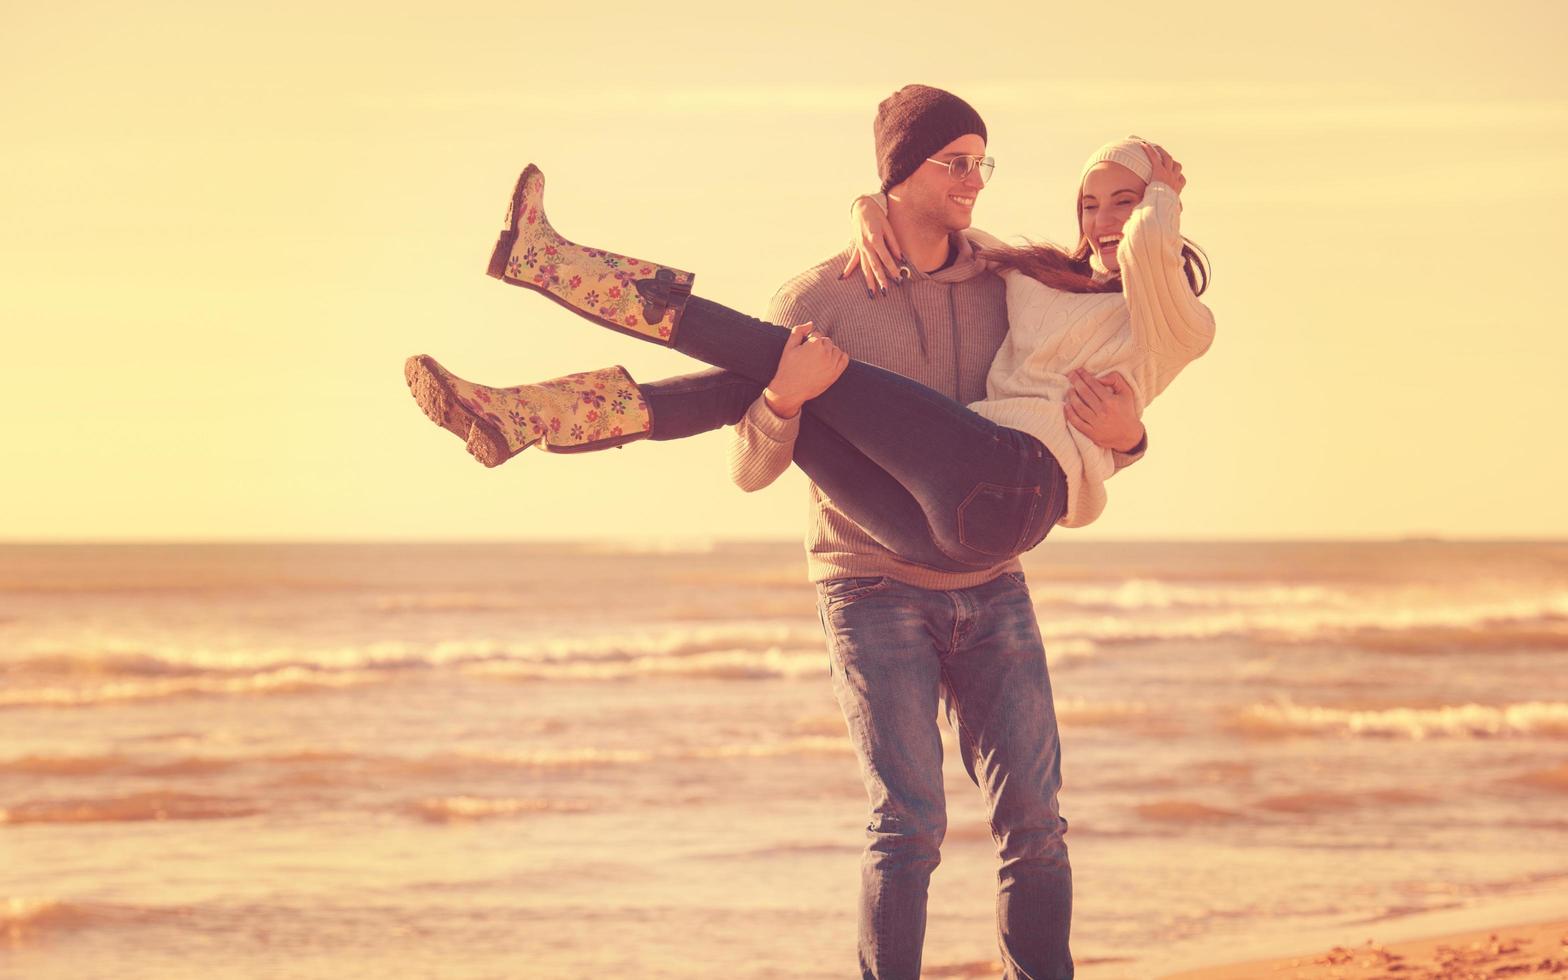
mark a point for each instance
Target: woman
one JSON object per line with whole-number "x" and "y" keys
{"x": 941, "y": 485}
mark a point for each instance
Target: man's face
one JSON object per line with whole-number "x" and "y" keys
{"x": 933, "y": 197}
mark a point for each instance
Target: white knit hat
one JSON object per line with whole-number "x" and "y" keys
{"x": 1128, "y": 152}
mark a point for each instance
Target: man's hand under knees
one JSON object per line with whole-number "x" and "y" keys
{"x": 808, "y": 367}
{"x": 1106, "y": 410}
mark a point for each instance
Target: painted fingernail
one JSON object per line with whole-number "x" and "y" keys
{"x": 870, "y": 294}
{"x": 884, "y": 292}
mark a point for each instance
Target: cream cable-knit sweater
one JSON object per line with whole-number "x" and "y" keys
{"x": 1148, "y": 332}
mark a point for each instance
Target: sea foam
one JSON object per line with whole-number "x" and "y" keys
{"x": 1541, "y": 718}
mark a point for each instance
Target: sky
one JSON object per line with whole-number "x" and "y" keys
{"x": 223, "y": 228}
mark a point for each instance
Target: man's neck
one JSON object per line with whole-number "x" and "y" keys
{"x": 927, "y": 249}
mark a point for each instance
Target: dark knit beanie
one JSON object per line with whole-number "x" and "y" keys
{"x": 915, "y": 122}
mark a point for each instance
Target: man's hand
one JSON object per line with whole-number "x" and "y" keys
{"x": 808, "y": 367}
{"x": 1105, "y": 410}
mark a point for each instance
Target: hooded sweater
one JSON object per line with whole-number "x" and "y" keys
{"x": 942, "y": 329}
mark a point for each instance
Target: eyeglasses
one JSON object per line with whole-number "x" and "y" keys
{"x": 959, "y": 167}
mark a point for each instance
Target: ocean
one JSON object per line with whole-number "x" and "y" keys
{"x": 552, "y": 760}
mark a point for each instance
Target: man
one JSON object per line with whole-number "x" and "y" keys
{"x": 901, "y": 636}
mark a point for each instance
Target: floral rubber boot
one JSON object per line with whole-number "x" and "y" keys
{"x": 577, "y": 413}
{"x": 640, "y": 298}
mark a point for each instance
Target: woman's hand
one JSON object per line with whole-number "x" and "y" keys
{"x": 877, "y": 252}
{"x": 808, "y": 367}
{"x": 1104, "y": 409}
{"x": 1166, "y": 170}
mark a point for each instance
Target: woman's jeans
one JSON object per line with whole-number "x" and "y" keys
{"x": 896, "y": 651}
{"x": 929, "y": 479}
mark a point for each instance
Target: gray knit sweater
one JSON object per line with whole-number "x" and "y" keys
{"x": 941, "y": 329}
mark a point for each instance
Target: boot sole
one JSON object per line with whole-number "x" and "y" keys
{"x": 485, "y": 443}
{"x": 508, "y": 238}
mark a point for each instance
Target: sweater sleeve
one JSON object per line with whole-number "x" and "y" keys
{"x": 1167, "y": 319}
{"x": 879, "y": 199}
{"x": 762, "y": 447}
{"x": 1123, "y": 460}
{"x": 763, "y": 444}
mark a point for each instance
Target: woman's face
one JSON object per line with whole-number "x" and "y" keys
{"x": 1110, "y": 192}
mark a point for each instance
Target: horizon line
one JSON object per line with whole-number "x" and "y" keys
{"x": 707, "y": 541}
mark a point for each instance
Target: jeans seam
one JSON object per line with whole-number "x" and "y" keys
{"x": 882, "y": 944}
{"x": 879, "y": 958}
{"x": 1051, "y": 508}
{"x": 990, "y": 820}
{"x": 964, "y": 736}
{"x": 953, "y": 639}
{"x": 822, "y": 620}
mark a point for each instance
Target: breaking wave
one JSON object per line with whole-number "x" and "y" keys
{"x": 1079, "y": 711}
{"x": 1537, "y": 623}
{"x": 731, "y": 651}
{"x": 1541, "y": 718}
{"x": 455, "y": 809}
{"x": 334, "y": 765}
{"x": 288, "y": 680}
{"x": 1143, "y": 594}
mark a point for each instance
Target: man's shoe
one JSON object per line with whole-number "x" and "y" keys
{"x": 577, "y": 413}
{"x": 640, "y": 298}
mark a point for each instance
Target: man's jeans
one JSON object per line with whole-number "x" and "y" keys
{"x": 895, "y": 651}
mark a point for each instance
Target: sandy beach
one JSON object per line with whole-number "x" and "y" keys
{"x": 1535, "y": 950}
{"x": 455, "y": 760}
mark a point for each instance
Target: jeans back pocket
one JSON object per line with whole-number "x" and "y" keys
{"x": 996, "y": 520}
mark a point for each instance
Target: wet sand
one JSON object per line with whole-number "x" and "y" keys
{"x": 1535, "y": 950}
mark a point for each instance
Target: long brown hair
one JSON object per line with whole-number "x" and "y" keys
{"x": 1052, "y": 265}
{"x": 1070, "y": 272}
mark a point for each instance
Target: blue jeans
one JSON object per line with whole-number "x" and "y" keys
{"x": 928, "y": 478}
{"x": 896, "y": 651}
